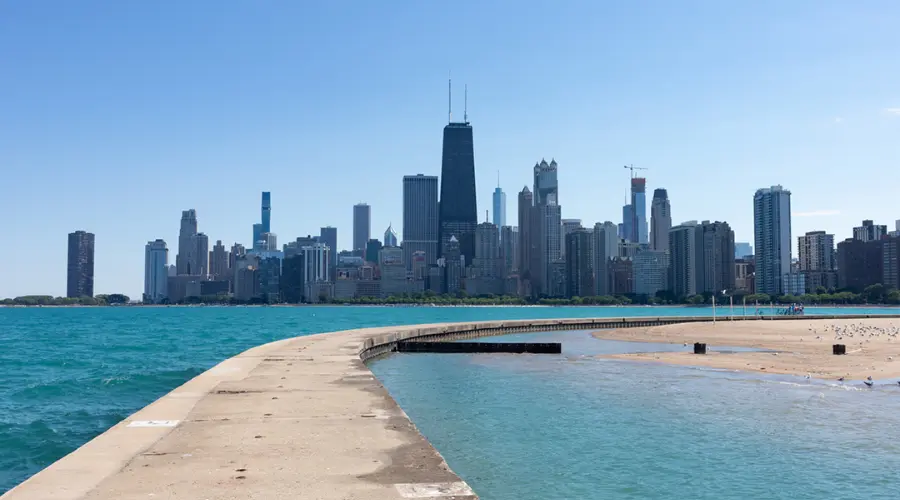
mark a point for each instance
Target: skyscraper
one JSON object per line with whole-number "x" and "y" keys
{"x": 390, "y": 237}
{"x": 362, "y": 226}
{"x": 199, "y": 263}
{"x": 420, "y": 218}
{"x": 509, "y": 249}
{"x": 80, "y": 269}
{"x": 526, "y": 212}
{"x": 579, "y": 263}
{"x": 772, "y": 238}
{"x": 546, "y": 231}
{"x": 545, "y": 182}
{"x": 605, "y": 247}
{"x": 650, "y": 268}
{"x": 715, "y": 261}
{"x": 328, "y": 236}
{"x": 186, "y": 244}
{"x": 458, "y": 210}
{"x": 639, "y": 210}
{"x": 683, "y": 259}
{"x": 660, "y": 220}
{"x": 219, "y": 260}
{"x": 499, "y": 205}
{"x": 156, "y": 266}
{"x": 266, "y": 212}
{"x": 626, "y": 229}
{"x": 742, "y": 249}
{"x": 816, "y": 256}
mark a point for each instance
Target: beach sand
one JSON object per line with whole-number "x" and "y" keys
{"x": 803, "y": 347}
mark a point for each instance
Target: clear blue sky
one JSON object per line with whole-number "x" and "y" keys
{"x": 115, "y": 116}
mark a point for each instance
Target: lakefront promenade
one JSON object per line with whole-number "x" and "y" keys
{"x": 297, "y": 418}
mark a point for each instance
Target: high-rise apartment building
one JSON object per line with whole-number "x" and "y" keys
{"x": 869, "y": 231}
{"x": 639, "y": 210}
{"x": 187, "y": 245}
{"x": 550, "y": 245}
{"x": 458, "y": 210}
{"x": 199, "y": 262}
{"x": 650, "y": 269}
{"x": 453, "y": 266}
{"x": 487, "y": 263}
{"x": 605, "y": 248}
{"x": 80, "y": 269}
{"x": 362, "y": 226}
{"x": 626, "y": 228}
{"x": 526, "y": 241}
{"x": 420, "y": 218}
{"x": 660, "y": 221}
{"x": 859, "y": 264}
{"x": 509, "y": 249}
{"x": 772, "y": 238}
{"x": 715, "y": 259}
{"x": 815, "y": 251}
{"x": 683, "y": 265}
{"x": 156, "y": 272}
{"x": 390, "y": 237}
{"x": 579, "y": 263}
{"x": 219, "y": 259}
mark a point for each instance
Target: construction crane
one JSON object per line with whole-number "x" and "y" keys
{"x": 633, "y": 168}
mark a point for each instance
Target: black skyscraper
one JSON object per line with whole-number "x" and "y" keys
{"x": 458, "y": 213}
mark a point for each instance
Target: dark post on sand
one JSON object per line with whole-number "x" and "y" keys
{"x": 699, "y": 348}
{"x": 838, "y": 349}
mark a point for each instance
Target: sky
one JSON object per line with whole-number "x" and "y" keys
{"x": 116, "y": 116}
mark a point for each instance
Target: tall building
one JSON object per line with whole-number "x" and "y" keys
{"x": 219, "y": 260}
{"x": 487, "y": 262}
{"x": 509, "y": 249}
{"x": 524, "y": 255}
{"x": 742, "y": 250}
{"x": 815, "y": 251}
{"x": 420, "y": 218}
{"x": 650, "y": 269}
{"x": 266, "y": 212}
{"x": 568, "y": 226}
{"x": 328, "y": 236}
{"x": 453, "y": 266}
{"x": 546, "y": 185}
{"x": 579, "y": 263}
{"x": 458, "y": 210}
{"x": 317, "y": 263}
{"x": 373, "y": 247}
{"x": 626, "y": 228}
{"x": 715, "y": 259}
{"x": 237, "y": 251}
{"x": 683, "y": 263}
{"x": 869, "y": 231}
{"x": 390, "y": 237}
{"x": 605, "y": 248}
{"x": 156, "y": 272}
{"x": 80, "y": 270}
{"x": 362, "y": 226}
{"x": 199, "y": 261}
{"x": 660, "y": 221}
{"x": 772, "y": 238}
{"x": 499, "y": 205}
{"x": 859, "y": 264}
{"x": 187, "y": 245}
{"x": 639, "y": 210}
{"x": 550, "y": 245}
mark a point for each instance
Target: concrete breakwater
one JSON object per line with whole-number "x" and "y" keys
{"x": 297, "y": 418}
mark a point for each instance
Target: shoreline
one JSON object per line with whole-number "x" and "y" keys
{"x": 799, "y": 348}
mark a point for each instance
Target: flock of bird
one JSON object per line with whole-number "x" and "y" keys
{"x": 862, "y": 332}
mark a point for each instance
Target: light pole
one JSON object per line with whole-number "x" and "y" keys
{"x": 714, "y": 308}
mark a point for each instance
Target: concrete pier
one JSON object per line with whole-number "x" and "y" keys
{"x": 297, "y": 418}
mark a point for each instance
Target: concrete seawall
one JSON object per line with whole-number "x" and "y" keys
{"x": 298, "y": 418}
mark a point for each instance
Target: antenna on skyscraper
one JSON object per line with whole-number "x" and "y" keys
{"x": 486, "y": 216}
{"x": 450, "y": 99}
{"x": 498, "y": 178}
{"x": 466, "y": 103}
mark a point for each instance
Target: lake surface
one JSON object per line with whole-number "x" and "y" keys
{"x": 68, "y": 374}
{"x": 555, "y": 427}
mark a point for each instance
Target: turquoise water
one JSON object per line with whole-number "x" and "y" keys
{"x": 68, "y": 374}
{"x": 573, "y": 426}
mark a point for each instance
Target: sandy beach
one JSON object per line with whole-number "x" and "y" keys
{"x": 802, "y": 347}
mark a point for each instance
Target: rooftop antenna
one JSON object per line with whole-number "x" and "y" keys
{"x": 486, "y": 217}
{"x": 466, "y": 103}
{"x": 450, "y": 99}
{"x": 498, "y": 178}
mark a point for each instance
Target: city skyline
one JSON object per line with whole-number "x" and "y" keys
{"x": 230, "y": 129}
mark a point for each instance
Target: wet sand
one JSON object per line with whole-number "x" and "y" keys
{"x": 802, "y": 347}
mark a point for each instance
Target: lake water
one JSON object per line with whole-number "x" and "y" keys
{"x": 68, "y": 374}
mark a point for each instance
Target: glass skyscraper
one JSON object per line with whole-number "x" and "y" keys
{"x": 772, "y": 235}
{"x": 458, "y": 212}
{"x": 420, "y": 218}
{"x": 639, "y": 211}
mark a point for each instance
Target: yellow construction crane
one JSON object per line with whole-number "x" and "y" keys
{"x": 633, "y": 168}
